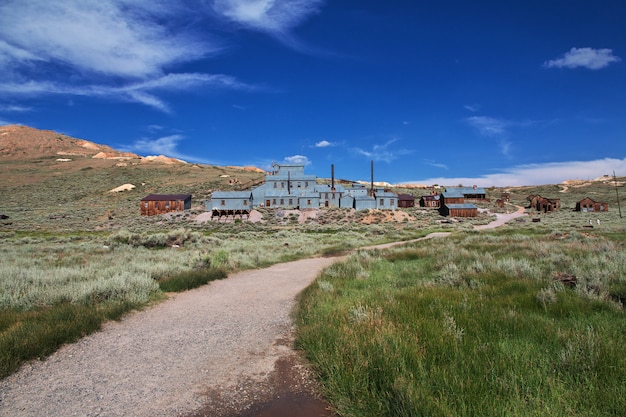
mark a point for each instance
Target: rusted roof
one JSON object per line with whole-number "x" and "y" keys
{"x": 166, "y": 197}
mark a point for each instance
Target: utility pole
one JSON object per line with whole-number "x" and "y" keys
{"x": 617, "y": 193}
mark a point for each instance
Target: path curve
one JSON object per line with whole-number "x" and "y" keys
{"x": 197, "y": 347}
{"x": 206, "y": 348}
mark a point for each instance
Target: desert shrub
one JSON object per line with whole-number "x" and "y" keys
{"x": 188, "y": 280}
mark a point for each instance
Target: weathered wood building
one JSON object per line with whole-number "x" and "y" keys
{"x": 543, "y": 204}
{"x": 589, "y": 205}
{"x": 459, "y": 210}
{"x": 406, "y": 201}
{"x": 432, "y": 201}
{"x": 154, "y": 204}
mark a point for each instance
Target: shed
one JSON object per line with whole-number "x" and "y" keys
{"x": 431, "y": 200}
{"x": 459, "y": 210}
{"x": 230, "y": 203}
{"x": 406, "y": 200}
{"x": 386, "y": 200}
{"x": 154, "y": 204}
{"x": 589, "y": 205}
{"x": 451, "y": 197}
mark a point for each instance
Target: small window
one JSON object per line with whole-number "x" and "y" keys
{"x": 223, "y": 202}
{"x": 391, "y": 202}
{"x": 245, "y": 202}
{"x": 291, "y": 201}
{"x": 275, "y": 185}
{"x": 306, "y": 184}
{"x": 145, "y": 205}
{"x": 282, "y": 185}
{"x": 282, "y": 202}
{"x": 274, "y": 201}
{"x": 382, "y": 201}
{"x": 308, "y": 202}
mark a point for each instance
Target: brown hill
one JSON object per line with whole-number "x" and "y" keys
{"x": 25, "y": 143}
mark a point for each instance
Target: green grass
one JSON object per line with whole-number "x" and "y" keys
{"x": 188, "y": 280}
{"x": 467, "y": 326}
{"x": 37, "y": 333}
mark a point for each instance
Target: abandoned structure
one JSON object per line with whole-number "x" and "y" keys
{"x": 431, "y": 200}
{"x": 289, "y": 187}
{"x": 154, "y": 204}
{"x": 452, "y": 202}
{"x": 406, "y": 201}
{"x": 589, "y": 205}
{"x": 543, "y": 204}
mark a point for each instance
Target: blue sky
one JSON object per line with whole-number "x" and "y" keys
{"x": 448, "y": 92}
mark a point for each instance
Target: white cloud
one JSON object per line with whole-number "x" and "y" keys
{"x": 472, "y": 107}
{"x": 166, "y": 145}
{"x": 298, "y": 159}
{"x": 537, "y": 174}
{"x": 114, "y": 37}
{"x": 584, "y": 57}
{"x": 118, "y": 49}
{"x": 139, "y": 92}
{"x": 14, "y": 108}
{"x": 488, "y": 126}
{"x": 324, "y": 144}
{"x": 382, "y": 152}
{"x": 435, "y": 164}
{"x": 273, "y": 16}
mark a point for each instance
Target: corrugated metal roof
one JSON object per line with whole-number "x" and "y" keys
{"x": 461, "y": 206}
{"x": 230, "y": 194}
{"x": 452, "y": 194}
{"x": 467, "y": 190}
{"x": 166, "y": 197}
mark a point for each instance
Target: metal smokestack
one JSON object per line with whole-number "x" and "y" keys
{"x": 332, "y": 177}
{"x": 372, "y": 183}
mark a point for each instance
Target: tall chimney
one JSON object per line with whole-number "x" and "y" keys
{"x": 372, "y": 183}
{"x": 332, "y": 176}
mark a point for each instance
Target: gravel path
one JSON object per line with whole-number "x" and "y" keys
{"x": 214, "y": 345}
{"x": 209, "y": 351}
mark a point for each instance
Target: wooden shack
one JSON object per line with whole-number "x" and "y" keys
{"x": 459, "y": 210}
{"x": 406, "y": 200}
{"x": 543, "y": 204}
{"x": 589, "y": 205}
{"x": 431, "y": 201}
{"x": 154, "y": 204}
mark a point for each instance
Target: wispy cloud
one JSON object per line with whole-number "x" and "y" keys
{"x": 432, "y": 163}
{"x": 139, "y": 92}
{"x": 472, "y": 107}
{"x": 324, "y": 144}
{"x": 382, "y": 152}
{"x": 166, "y": 145}
{"x": 297, "y": 159}
{"x": 537, "y": 174}
{"x": 584, "y": 57}
{"x": 11, "y": 108}
{"x": 488, "y": 126}
{"x": 273, "y": 16}
{"x": 125, "y": 50}
{"x": 496, "y": 129}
